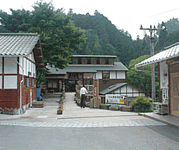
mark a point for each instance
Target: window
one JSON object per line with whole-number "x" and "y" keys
{"x": 105, "y": 75}
{"x": 89, "y": 61}
{"x": 88, "y": 82}
{"x": 75, "y": 60}
{"x": 32, "y": 82}
{"x": 102, "y": 61}
{"x": 110, "y": 61}
{"x": 97, "y": 61}
{"x": 106, "y": 61}
{"x": 93, "y": 61}
{"x": 84, "y": 60}
{"x": 52, "y": 84}
{"x": 27, "y": 81}
{"x": 73, "y": 76}
{"x": 79, "y": 61}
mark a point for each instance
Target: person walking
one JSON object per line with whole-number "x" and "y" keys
{"x": 83, "y": 91}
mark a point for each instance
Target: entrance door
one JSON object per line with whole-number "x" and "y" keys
{"x": 174, "y": 91}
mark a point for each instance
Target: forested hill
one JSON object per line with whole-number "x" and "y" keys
{"x": 104, "y": 38}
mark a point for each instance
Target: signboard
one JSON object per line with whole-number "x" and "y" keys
{"x": 96, "y": 93}
{"x": 114, "y": 98}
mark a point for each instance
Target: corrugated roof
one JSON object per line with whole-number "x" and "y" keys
{"x": 169, "y": 52}
{"x": 111, "y": 88}
{"x": 108, "y": 56}
{"x": 17, "y": 44}
{"x": 118, "y": 66}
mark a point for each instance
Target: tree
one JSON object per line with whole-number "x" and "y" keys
{"x": 140, "y": 79}
{"x": 172, "y": 25}
{"x": 58, "y": 34}
{"x": 19, "y": 20}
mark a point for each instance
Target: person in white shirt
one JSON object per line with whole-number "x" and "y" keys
{"x": 83, "y": 91}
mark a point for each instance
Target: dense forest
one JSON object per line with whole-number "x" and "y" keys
{"x": 65, "y": 34}
{"x": 104, "y": 38}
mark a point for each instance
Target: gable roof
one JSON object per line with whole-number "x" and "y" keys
{"x": 21, "y": 44}
{"x": 169, "y": 52}
{"x": 118, "y": 66}
{"x": 112, "y": 88}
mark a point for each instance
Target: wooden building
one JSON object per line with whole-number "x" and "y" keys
{"x": 84, "y": 69}
{"x": 130, "y": 92}
{"x": 168, "y": 64}
{"x": 20, "y": 56}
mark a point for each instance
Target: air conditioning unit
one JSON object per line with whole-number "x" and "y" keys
{"x": 29, "y": 73}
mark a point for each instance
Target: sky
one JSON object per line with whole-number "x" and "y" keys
{"x": 124, "y": 14}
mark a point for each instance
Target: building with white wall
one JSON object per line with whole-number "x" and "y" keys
{"x": 168, "y": 63}
{"x": 84, "y": 69}
{"x": 20, "y": 56}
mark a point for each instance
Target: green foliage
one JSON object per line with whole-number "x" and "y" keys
{"x": 58, "y": 34}
{"x": 103, "y": 38}
{"x": 142, "y": 80}
{"x": 172, "y": 25}
{"x": 141, "y": 104}
{"x": 60, "y": 107}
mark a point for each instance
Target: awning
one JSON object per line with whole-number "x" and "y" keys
{"x": 169, "y": 52}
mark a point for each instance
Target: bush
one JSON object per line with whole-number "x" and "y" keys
{"x": 141, "y": 104}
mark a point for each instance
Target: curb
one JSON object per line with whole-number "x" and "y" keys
{"x": 163, "y": 121}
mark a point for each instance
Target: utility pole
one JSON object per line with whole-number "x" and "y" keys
{"x": 152, "y": 38}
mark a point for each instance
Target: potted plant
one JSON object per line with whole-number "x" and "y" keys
{"x": 60, "y": 109}
{"x": 61, "y": 101}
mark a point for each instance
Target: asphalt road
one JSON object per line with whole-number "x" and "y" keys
{"x": 162, "y": 137}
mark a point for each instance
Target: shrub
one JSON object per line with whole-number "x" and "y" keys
{"x": 141, "y": 104}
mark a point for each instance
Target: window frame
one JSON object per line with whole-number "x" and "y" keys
{"x": 104, "y": 73}
{"x": 27, "y": 82}
{"x": 32, "y": 82}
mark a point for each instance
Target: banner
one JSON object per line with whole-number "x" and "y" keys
{"x": 114, "y": 98}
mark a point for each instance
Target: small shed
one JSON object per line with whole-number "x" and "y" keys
{"x": 123, "y": 89}
{"x": 20, "y": 56}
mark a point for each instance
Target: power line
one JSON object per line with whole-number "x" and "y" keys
{"x": 163, "y": 12}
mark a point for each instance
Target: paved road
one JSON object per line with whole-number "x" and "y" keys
{"x": 108, "y": 138}
{"x": 88, "y": 129}
{"x": 74, "y": 116}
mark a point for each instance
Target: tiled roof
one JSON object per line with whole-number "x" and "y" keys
{"x": 169, "y": 52}
{"x": 118, "y": 66}
{"x": 17, "y": 44}
{"x": 99, "y": 56}
{"x": 111, "y": 88}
